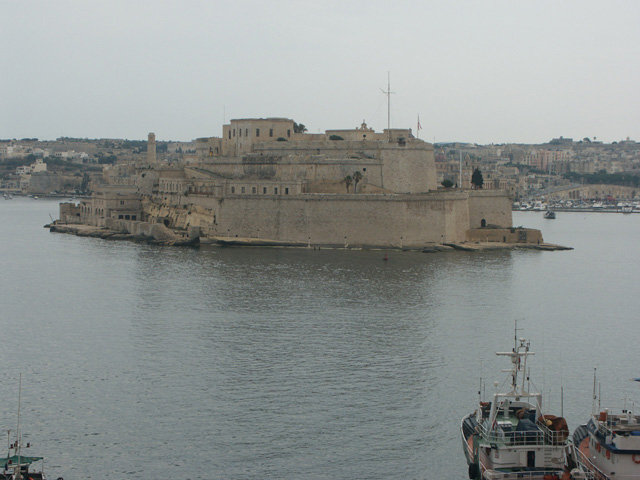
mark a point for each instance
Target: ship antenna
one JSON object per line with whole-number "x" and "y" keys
{"x": 18, "y": 449}
{"x": 593, "y": 403}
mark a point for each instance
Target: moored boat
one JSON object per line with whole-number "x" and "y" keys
{"x": 550, "y": 214}
{"x": 511, "y": 437}
{"x": 16, "y": 466}
{"x": 607, "y": 447}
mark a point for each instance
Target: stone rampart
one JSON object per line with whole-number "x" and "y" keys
{"x": 506, "y": 235}
{"x": 336, "y": 219}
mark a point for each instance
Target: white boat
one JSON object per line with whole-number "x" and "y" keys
{"x": 607, "y": 447}
{"x": 550, "y": 214}
{"x": 627, "y": 209}
{"x": 510, "y": 437}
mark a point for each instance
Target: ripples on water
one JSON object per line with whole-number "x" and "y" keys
{"x": 153, "y": 362}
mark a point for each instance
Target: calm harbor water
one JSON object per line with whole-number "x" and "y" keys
{"x": 151, "y": 362}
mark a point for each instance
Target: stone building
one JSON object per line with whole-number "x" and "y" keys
{"x": 263, "y": 181}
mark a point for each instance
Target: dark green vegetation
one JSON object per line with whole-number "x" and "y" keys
{"x": 602, "y": 177}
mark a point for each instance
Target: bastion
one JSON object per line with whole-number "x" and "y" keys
{"x": 264, "y": 182}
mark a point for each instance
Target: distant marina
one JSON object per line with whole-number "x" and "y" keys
{"x": 568, "y": 206}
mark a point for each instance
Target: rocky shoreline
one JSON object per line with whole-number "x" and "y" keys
{"x": 107, "y": 234}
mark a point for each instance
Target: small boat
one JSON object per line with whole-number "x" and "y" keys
{"x": 16, "y": 466}
{"x": 550, "y": 214}
{"x": 607, "y": 447}
{"x": 627, "y": 209}
{"x": 510, "y": 437}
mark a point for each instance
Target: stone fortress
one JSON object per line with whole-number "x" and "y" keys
{"x": 264, "y": 183}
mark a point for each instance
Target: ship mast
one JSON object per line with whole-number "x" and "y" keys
{"x": 518, "y": 356}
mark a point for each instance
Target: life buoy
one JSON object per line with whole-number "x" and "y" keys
{"x": 635, "y": 458}
{"x": 608, "y": 454}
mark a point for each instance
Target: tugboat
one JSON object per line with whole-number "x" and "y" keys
{"x": 607, "y": 447}
{"x": 510, "y": 437}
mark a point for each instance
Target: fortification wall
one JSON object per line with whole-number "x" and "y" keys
{"x": 506, "y": 235}
{"x": 489, "y": 207}
{"x": 355, "y": 220}
{"x": 400, "y": 169}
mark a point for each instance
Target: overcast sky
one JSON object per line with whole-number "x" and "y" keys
{"x": 474, "y": 71}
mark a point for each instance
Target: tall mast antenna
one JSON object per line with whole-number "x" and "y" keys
{"x": 388, "y": 94}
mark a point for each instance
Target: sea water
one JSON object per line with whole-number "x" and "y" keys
{"x": 142, "y": 361}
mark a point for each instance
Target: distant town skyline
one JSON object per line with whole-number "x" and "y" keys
{"x": 475, "y": 72}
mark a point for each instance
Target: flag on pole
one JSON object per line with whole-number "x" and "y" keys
{"x": 419, "y": 126}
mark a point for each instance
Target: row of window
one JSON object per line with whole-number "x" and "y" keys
{"x": 246, "y": 132}
{"x": 254, "y": 190}
{"x": 97, "y": 211}
{"x": 126, "y": 217}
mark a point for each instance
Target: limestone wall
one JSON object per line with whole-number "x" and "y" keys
{"x": 45, "y": 182}
{"x": 489, "y": 207}
{"x": 506, "y": 235}
{"x": 357, "y": 220}
{"x": 390, "y": 167}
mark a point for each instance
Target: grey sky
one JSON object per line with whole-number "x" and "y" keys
{"x": 475, "y": 71}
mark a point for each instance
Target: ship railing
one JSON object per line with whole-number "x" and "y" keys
{"x": 554, "y": 437}
{"x": 609, "y": 421}
{"x": 591, "y": 472}
{"x": 542, "y": 436}
{"x": 524, "y": 475}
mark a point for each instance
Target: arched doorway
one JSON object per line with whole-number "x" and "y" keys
{"x": 483, "y": 223}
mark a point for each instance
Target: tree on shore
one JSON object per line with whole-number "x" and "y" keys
{"x": 348, "y": 181}
{"x": 357, "y": 176}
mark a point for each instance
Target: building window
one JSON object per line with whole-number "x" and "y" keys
{"x": 264, "y": 189}
{"x": 239, "y": 132}
{"x": 121, "y": 202}
{"x": 133, "y": 217}
{"x": 289, "y": 133}
{"x": 127, "y": 217}
{"x": 119, "y": 217}
{"x": 234, "y": 132}
{"x": 271, "y": 132}
{"x": 229, "y": 134}
{"x": 233, "y": 189}
{"x": 286, "y": 191}
{"x": 242, "y": 189}
{"x": 253, "y": 189}
{"x": 257, "y": 132}
{"x": 275, "y": 190}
